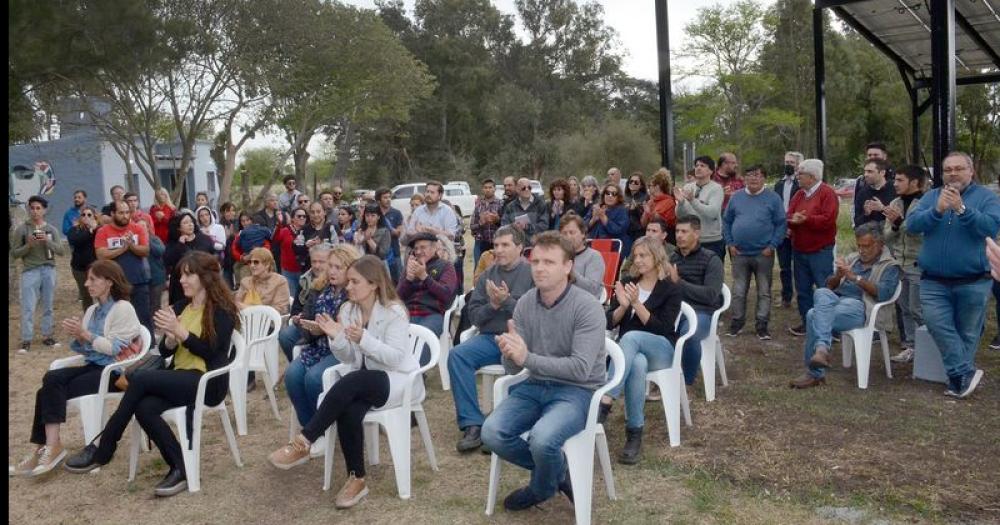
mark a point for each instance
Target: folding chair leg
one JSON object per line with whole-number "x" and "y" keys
{"x": 443, "y": 366}
{"x": 720, "y": 358}
{"x": 228, "y": 428}
{"x": 371, "y": 443}
{"x": 331, "y": 437}
{"x": 399, "y": 448}
{"x": 605, "y": 458}
{"x": 671, "y": 399}
{"x": 491, "y": 495}
{"x": 581, "y": 474}
{"x": 884, "y": 339}
{"x": 685, "y": 404}
{"x": 708, "y": 368}
{"x": 269, "y": 383}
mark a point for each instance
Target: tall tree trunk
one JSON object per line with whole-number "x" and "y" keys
{"x": 345, "y": 143}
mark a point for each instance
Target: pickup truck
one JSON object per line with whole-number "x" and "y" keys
{"x": 455, "y": 192}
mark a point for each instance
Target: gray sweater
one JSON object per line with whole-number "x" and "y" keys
{"x": 588, "y": 270}
{"x": 707, "y": 206}
{"x": 565, "y": 342}
{"x": 481, "y": 312}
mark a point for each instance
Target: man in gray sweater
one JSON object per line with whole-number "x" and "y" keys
{"x": 588, "y": 265}
{"x": 490, "y": 307}
{"x": 703, "y": 199}
{"x": 557, "y": 334}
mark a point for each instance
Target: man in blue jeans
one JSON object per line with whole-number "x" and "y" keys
{"x": 490, "y": 307}
{"x": 864, "y": 278}
{"x": 955, "y": 284}
{"x": 557, "y": 334}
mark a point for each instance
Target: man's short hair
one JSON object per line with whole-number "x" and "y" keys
{"x": 380, "y": 192}
{"x": 571, "y": 217}
{"x": 116, "y": 187}
{"x": 913, "y": 172}
{"x": 39, "y": 199}
{"x": 129, "y": 195}
{"x": 873, "y": 228}
{"x": 325, "y": 192}
{"x": 201, "y": 193}
{"x": 964, "y": 155}
{"x": 438, "y": 185}
{"x": 798, "y": 156}
{"x": 691, "y": 220}
{"x": 659, "y": 221}
{"x": 552, "y": 239}
{"x": 81, "y": 192}
{"x": 488, "y": 181}
{"x": 516, "y": 235}
{"x": 877, "y": 145}
{"x": 706, "y": 160}
{"x": 287, "y": 178}
{"x": 813, "y": 167}
{"x": 880, "y": 165}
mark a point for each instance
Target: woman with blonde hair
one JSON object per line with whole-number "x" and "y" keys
{"x": 162, "y": 211}
{"x": 644, "y": 308}
{"x": 304, "y": 376}
{"x": 371, "y": 336}
{"x": 263, "y": 285}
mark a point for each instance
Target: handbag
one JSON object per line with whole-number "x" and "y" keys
{"x": 148, "y": 362}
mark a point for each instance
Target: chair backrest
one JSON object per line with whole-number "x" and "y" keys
{"x": 456, "y": 307}
{"x": 259, "y": 323}
{"x": 147, "y": 339}
{"x": 687, "y": 312}
{"x": 611, "y": 260}
{"x": 727, "y": 300}
{"x": 873, "y": 318}
{"x": 468, "y": 333}
{"x": 606, "y": 245}
{"x": 420, "y": 336}
{"x": 618, "y": 360}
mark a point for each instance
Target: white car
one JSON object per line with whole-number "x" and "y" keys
{"x": 455, "y": 192}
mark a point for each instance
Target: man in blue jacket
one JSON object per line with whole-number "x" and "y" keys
{"x": 955, "y": 282}
{"x": 753, "y": 227}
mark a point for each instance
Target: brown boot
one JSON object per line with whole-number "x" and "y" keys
{"x": 353, "y": 491}
{"x": 821, "y": 359}
{"x": 806, "y": 381}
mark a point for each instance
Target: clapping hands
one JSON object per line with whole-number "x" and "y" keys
{"x": 512, "y": 346}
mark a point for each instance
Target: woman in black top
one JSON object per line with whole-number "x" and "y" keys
{"x": 635, "y": 196}
{"x": 182, "y": 237}
{"x": 197, "y": 332}
{"x": 644, "y": 308}
{"x": 81, "y": 241}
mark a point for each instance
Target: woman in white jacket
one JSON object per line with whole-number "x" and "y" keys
{"x": 371, "y": 336}
{"x": 209, "y": 225}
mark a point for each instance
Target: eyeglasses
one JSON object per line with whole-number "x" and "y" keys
{"x": 304, "y": 201}
{"x": 86, "y": 214}
{"x": 255, "y": 262}
{"x": 337, "y": 194}
{"x": 525, "y": 188}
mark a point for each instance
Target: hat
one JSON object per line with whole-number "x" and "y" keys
{"x": 422, "y": 236}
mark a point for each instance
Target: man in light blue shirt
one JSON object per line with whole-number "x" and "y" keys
{"x": 432, "y": 217}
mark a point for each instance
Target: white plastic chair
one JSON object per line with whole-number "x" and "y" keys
{"x": 177, "y": 416}
{"x": 445, "y": 340}
{"x": 489, "y": 372}
{"x": 670, "y": 381}
{"x": 579, "y": 449}
{"x": 91, "y": 406}
{"x": 395, "y": 420}
{"x": 711, "y": 349}
{"x": 861, "y": 340}
{"x": 260, "y": 325}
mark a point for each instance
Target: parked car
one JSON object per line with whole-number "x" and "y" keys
{"x": 845, "y": 188}
{"x": 455, "y": 192}
{"x": 536, "y": 188}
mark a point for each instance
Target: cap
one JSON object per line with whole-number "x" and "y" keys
{"x": 422, "y": 236}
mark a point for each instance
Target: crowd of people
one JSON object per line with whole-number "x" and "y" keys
{"x": 352, "y": 277}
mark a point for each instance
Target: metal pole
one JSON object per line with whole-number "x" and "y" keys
{"x": 943, "y": 80}
{"x": 915, "y": 112}
{"x": 666, "y": 98}
{"x": 820, "y": 67}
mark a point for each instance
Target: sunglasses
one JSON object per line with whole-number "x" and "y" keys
{"x": 86, "y": 214}
{"x": 337, "y": 194}
{"x": 304, "y": 201}
{"x": 255, "y": 262}
{"x": 525, "y": 188}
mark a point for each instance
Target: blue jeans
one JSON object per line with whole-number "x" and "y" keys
{"x": 463, "y": 361}
{"x": 785, "y": 263}
{"x": 38, "y": 282}
{"x": 553, "y": 412}
{"x": 293, "y": 282}
{"x": 811, "y": 270}
{"x": 644, "y": 352}
{"x": 478, "y": 247}
{"x": 691, "y": 358}
{"x": 954, "y": 314}
{"x": 830, "y": 313}
{"x": 287, "y": 337}
{"x": 433, "y": 322}
{"x": 305, "y": 384}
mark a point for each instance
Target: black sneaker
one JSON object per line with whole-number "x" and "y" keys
{"x": 83, "y": 461}
{"x": 521, "y": 499}
{"x": 763, "y": 334}
{"x": 471, "y": 440}
{"x": 799, "y": 330}
{"x": 995, "y": 343}
{"x": 734, "y": 330}
{"x": 173, "y": 483}
{"x": 49, "y": 341}
{"x": 969, "y": 382}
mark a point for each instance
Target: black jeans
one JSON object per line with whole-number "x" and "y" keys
{"x": 58, "y": 386}
{"x": 719, "y": 247}
{"x": 785, "y": 263}
{"x": 346, "y": 404}
{"x": 141, "y": 301}
{"x": 149, "y": 394}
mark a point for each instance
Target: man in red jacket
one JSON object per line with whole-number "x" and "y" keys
{"x": 812, "y": 221}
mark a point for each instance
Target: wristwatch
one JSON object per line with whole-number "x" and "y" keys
{"x": 961, "y": 210}
{"x": 857, "y": 279}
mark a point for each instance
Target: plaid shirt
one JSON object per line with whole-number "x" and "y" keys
{"x": 485, "y": 232}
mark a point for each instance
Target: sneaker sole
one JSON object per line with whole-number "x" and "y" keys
{"x": 81, "y": 470}
{"x": 978, "y": 376}
{"x": 171, "y": 491}
{"x": 764, "y": 337}
{"x": 43, "y": 469}
{"x": 353, "y": 501}
{"x": 287, "y": 466}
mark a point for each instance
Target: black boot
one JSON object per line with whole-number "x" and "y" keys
{"x": 471, "y": 440}
{"x": 633, "y": 445}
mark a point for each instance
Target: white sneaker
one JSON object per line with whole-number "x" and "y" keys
{"x": 903, "y": 357}
{"x": 318, "y": 448}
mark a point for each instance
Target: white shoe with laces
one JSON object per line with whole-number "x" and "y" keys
{"x": 903, "y": 357}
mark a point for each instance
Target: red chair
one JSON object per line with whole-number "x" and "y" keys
{"x": 606, "y": 245}
{"x": 611, "y": 260}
